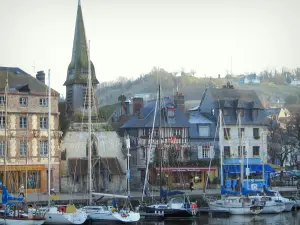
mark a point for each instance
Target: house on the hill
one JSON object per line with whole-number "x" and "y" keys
{"x": 250, "y": 79}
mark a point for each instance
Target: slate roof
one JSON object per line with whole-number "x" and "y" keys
{"x": 272, "y": 111}
{"x": 234, "y": 97}
{"x": 19, "y": 79}
{"x": 146, "y": 114}
{"x": 198, "y": 118}
{"x": 78, "y": 68}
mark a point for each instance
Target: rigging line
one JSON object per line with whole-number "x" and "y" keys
{"x": 150, "y": 148}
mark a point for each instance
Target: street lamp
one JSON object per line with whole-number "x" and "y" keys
{"x": 128, "y": 170}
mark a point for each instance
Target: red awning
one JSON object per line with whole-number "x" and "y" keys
{"x": 186, "y": 169}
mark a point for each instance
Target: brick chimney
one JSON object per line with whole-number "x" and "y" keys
{"x": 179, "y": 101}
{"x": 41, "y": 76}
{"x": 138, "y": 103}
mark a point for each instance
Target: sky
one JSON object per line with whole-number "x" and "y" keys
{"x": 130, "y": 37}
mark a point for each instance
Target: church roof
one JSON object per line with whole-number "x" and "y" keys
{"x": 78, "y": 67}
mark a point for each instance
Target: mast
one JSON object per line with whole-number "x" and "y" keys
{"x": 241, "y": 150}
{"x": 221, "y": 146}
{"x": 49, "y": 137}
{"x": 159, "y": 143}
{"x": 89, "y": 126}
{"x": 263, "y": 160}
{"x": 26, "y": 171}
{"x": 6, "y": 128}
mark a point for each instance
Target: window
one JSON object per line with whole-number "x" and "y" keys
{"x": 226, "y": 151}
{"x": 242, "y": 112}
{"x": 171, "y": 112}
{"x": 242, "y": 132}
{"x": 145, "y": 132}
{"x": 225, "y": 112}
{"x": 2, "y": 147}
{"x": 43, "y": 122}
{"x": 256, "y": 151}
{"x": 43, "y": 147}
{"x": 205, "y": 151}
{"x": 156, "y": 133}
{"x": 43, "y": 102}
{"x": 2, "y": 100}
{"x": 227, "y": 133}
{"x": 23, "y": 148}
{"x": 143, "y": 153}
{"x": 244, "y": 151}
{"x": 256, "y": 133}
{"x": 24, "y": 101}
{"x": 23, "y": 122}
{"x": 177, "y": 131}
{"x": 255, "y": 113}
{"x": 204, "y": 131}
{"x": 2, "y": 121}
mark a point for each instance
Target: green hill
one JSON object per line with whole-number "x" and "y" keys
{"x": 191, "y": 87}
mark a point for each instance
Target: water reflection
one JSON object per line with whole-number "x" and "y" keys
{"x": 269, "y": 219}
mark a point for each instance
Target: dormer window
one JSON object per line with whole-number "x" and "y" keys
{"x": 171, "y": 112}
{"x": 242, "y": 112}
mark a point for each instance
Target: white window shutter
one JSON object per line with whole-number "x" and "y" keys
{"x": 211, "y": 152}
{"x": 199, "y": 152}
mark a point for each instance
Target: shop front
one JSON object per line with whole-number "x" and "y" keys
{"x": 181, "y": 177}
{"x": 16, "y": 176}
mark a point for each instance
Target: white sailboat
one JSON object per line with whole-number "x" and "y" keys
{"x": 102, "y": 213}
{"x": 238, "y": 204}
{"x": 58, "y": 214}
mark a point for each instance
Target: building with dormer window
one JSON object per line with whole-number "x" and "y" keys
{"x": 248, "y": 139}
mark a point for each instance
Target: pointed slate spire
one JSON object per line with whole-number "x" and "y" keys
{"x": 78, "y": 68}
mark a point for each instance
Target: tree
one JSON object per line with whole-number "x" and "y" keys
{"x": 122, "y": 98}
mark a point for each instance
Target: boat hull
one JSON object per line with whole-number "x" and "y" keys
{"x": 13, "y": 221}
{"x": 171, "y": 213}
{"x": 288, "y": 206}
{"x": 269, "y": 209}
{"x": 253, "y": 210}
{"x": 67, "y": 218}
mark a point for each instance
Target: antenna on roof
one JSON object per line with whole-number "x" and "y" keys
{"x": 33, "y": 67}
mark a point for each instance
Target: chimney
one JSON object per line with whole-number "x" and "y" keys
{"x": 138, "y": 103}
{"x": 127, "y": 107}
{"x": 179, "y": 101}
{"x": 41, "y": 76}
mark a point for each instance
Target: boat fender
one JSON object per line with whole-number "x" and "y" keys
{"x": 113, "y": 210}
{"x": 62, "y": 209}
{"x": 194, "y": 205}
{"x": 123, "y": 214}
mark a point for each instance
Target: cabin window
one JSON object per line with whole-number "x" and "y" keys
{"x": 43, "y": 122}
{"x": 43, "y": 148}
{"x": 2, "y": 100}
{"x": 227, "y": 152}
{"x": 23, "y": 101}
{"x": 2, "y": 121}
{"x": 23, "y": 148}
{"x": 256, "y": 151}
{"x": 204, "y": 131}
{"x": 23, "y": 122}
{"x": 44, "y": 102}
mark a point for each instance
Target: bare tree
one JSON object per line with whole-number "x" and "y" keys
{"x": 193, "y": 72}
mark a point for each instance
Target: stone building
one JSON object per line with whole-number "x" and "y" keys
{"x": 108, "y": 160}
{"x": 77, "y": 74}
{"x": 25, "y": 130}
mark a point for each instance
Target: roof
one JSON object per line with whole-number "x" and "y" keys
{"x": 78, "y": 166}
{"x": 225, "y": 96}
{"x": 145, "y": 117}
{"x": 194, "y": 108}
{"x": 198, "y": 118}
{"x": 19, "y": 80}
{"x": 112, "y": 165}
{"x": 78, "y": 68}
{"x": 272, "y": 111}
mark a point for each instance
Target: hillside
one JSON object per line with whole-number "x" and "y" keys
{"x": 192, "y": 87}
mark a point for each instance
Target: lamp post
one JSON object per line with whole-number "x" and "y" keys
{"x": 128, "y": 170}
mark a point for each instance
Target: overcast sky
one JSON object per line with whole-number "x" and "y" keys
{"x": 129, "y": 37}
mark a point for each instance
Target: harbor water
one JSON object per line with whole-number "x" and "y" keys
{"x": 291, "y": 218}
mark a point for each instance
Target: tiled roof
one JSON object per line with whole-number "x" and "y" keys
{"x": 18, "y": 79}
{"x": 145, "y": 117}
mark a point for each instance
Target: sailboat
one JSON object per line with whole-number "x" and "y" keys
{"x": 237, "y": 204}
{"x": 103, "y": 213}
{"x": 15, "y": 210}
{"x": 176, "y": 206}
{"x": 64, "y": 214}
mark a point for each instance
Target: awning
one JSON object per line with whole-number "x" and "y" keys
{"x": 253, "y": 168}
{"x": 112, "y": 165}
{"x": 185, "y": 169}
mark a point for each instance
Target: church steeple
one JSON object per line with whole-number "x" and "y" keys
{"x": 78, "y": 68}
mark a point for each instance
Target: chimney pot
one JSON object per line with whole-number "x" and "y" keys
{"x": 41, "y": 76}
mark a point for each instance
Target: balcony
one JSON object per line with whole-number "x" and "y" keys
{"x": 236, "y": 161}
